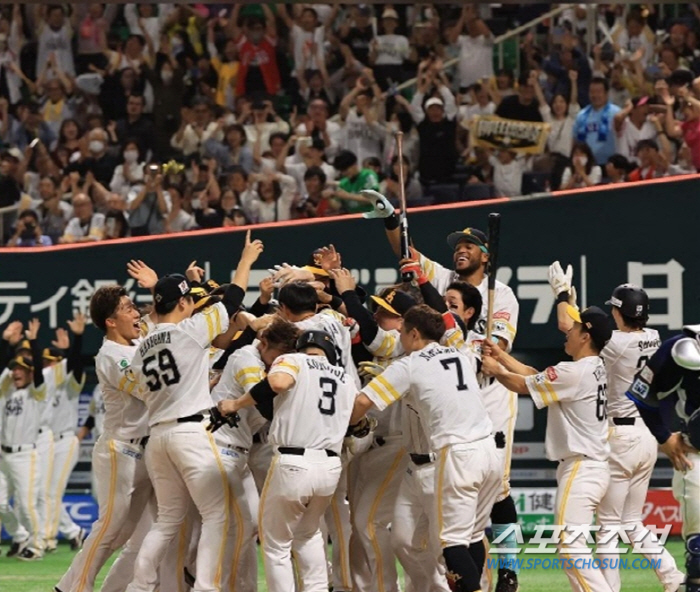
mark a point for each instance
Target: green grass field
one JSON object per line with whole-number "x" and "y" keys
{"x": 41, "y": 576}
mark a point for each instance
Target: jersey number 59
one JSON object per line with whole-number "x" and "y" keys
{"x": 164, "y": 372}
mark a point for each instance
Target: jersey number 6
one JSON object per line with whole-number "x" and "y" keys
{"x": 165, "y": 372}
{"x": 326, "y": 404}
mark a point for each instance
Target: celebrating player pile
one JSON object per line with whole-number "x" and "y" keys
{"x": 384, "y": 422}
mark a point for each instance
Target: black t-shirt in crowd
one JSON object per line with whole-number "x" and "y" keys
{"x": 437, "y": 151}
{"x": 359, "y": 40}
{"x": 511, "y": 108}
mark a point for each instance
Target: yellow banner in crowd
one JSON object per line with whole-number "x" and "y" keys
{"x": 525, "y": 137}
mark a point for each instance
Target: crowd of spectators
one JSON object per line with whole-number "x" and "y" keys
{"x": 138, "y": 119}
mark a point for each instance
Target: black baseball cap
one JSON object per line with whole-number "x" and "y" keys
{"x": 595, "y": 322}
{"x": 21, "y": 362}
{"x": 470, "y": 235}
{"x": 171, "y": 288}
{"x": 396, "y": 302}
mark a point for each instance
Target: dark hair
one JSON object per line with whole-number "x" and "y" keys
{"x": 32, "y": 213}
{"x": 471, "y": 298}
{"x": 647, "y": 143}
{"x": 164, "y": 308}
{"x": 600, "y": 80}
{"x": 61, "y": 136}
{"x": 282, "y": 136}
{"x": 298, "y": 297}
{"x": 311, "y": 10}
{"x": 254, "y": 20}
{"x": 372, "y": 161}
{"x": 621, "y": 163}
{"x": 104, "y": 304}
{"x": 317, "y": 172}
{"x": 238, "y": 169}
{"x": 426, "y": 320}
{"x": 281, "y": 334}
{"x": 635, "y": 16}
{"x": 523, "y": 78}
{"x": 236, "y": 127}
{"x": 563, "y": 96}
{"x": 586, "y": 149}
{"x": 635, "y": 324}
{"x": 120, "y": 218}
{"x": 134, "y": 141}
{"x": 51, "y": 7}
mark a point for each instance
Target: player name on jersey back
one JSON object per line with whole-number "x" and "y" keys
{"x": 153, "y": 340}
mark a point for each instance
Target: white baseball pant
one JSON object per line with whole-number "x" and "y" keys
{"x": 123, "y": 491}
{"x": 379, "y": 472}
{"x": 467, "y": 479}
{"x": 44, "y": 451}
{"x": 686, "y": 490}
{"x": 184, "y": 464}
{"x": 66, "y": 448}
{"x": 581, "y": 485}
{"x": 633, "y": 452}
{"x": 414, "y": 539}
{"x": 240, "y": 561}
{"x": 296, "y": 494}
{"x": 21, "y": 470}
{"x": 259, "y": 459}
{"x": 8, "y": 517}
{"x": 337, "y": 523}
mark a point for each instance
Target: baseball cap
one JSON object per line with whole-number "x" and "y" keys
{"x": 52, "y": 354}
{"x": 595, "y": 322}
{"x": 434, "y": 101}
{"x": 170, "y": 288}
{"x": 21, "y": 362}
{"x": 23, "y": 345}
{"x": 314, "y": 267}
{"x": 470, "y": 235}
{"x": 395, "y": 301}
{"x": 390, "y": 13}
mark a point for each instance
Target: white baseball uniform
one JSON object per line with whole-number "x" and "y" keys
{"x": 305, "y": 470}
{"x": 374, "y": 481}
{"x": 244, "y": 369}
{"x": 45, "y": 455}
{"x": 575, "y": 396}
{"x": 63, "y": 403}
{"x": 172, "y": 367}
{"x": 452, "y": 412}
{"x": 633, "y": 453}
{"x": 20, "y": 430}
{"x": 123, "y": 486}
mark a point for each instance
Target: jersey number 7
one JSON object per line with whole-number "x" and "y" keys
{"x": 164, "y": 372}
{"x": 461, "y": 386}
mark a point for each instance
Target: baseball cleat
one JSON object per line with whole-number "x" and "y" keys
{"x": 29, "y": 555}
{"x": 16, "y": 549}
{"x": 51, "y": 546}
{"x": 77, "y": 543}
{"x": 507, "y": 581}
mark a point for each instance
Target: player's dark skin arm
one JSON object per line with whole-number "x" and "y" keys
{"x": 432, "y": 297}
{"x": 246, "y": 338}
{"x": 5, "y": 353}
{"x": 38, "y": 363}
{"x": 74, "y": 362}
{"x": 368, "y": 326}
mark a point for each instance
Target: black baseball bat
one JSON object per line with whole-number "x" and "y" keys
{"x": 405, "y": 250}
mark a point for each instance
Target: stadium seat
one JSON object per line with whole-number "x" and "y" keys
{"x": 444, "y": 193}
{"x": 477, "y": 191}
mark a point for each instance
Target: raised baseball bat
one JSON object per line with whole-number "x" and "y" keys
{"x": 405, "y": 251}
{"x": 493, "y": 238}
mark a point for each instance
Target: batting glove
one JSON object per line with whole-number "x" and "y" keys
{"x": 415, "y": 269}
{"x": 217, "y": 420}
{"x": 382, "y": 206}
{"x": 560, "y": 280}
{"x": 370, "y": 369}
{"x": 359, "y": 437}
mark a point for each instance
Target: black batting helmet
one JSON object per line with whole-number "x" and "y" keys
{"x": 320, "y": 339}
{"x": 632, "y": 301}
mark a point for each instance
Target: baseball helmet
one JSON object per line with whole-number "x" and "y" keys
{"x": 320, "y": 339}
{"x": 632, "y": 301}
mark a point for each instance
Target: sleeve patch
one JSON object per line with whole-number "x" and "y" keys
{"x": 551, "y": 374}
{"x": 502, "y": 314}
{"x": 646, "y": 374}
{"x": 640, "y": 388}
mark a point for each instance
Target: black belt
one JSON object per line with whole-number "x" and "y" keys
{"x": 191, "y": 418}
{"x": 300, "y": 451}
{"x": 500, "y": 438}
{"x": 379, "y": 441}
{"x": 141, "y": 441}
{"x": 257, "y": 439}
{"x": 624, "y": 420}
{"x": 13, "y": 449}
{"x": 421, "y": 459}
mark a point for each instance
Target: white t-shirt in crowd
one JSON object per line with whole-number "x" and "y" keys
{"x": 475, "y": 58}
{"x": 629, "y": 136}
{"x": 508, "y": 178}
{"x": 392, "y": 50}
{"x": 561, "y": 133}
{"x": 307, "y": 48}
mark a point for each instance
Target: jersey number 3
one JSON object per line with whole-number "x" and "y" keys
{"x": 326, "y": 404}
{"x": 165, "y": 372}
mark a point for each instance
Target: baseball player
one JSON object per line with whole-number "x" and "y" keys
{"x": 575, "y": 396}
{"x": 171, "y": 366}
{"x": 123, "y": 486}
{"x": 447, "y": 397}
{"x": 669, "y": 381}
{"x": 470, "y": 257}
{"x": 65, "y": 382}
{"x": 244, "y": 369}
{"x": 633, "y": 450}
{"x": 23, "y": 392}
{"x": 306, "y": 468}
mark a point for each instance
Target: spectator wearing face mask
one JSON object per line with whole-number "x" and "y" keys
{"x": 28, "y": 232}
{"x": 178, "y": 218}
{"x": 130, "y": 172}
{"x": 100, "y": 162}
{"x": 583, "y": 172}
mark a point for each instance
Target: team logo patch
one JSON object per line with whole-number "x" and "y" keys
{"x": 123, "y": 363}
{"x": 502, "y": 315}
{"x": 499, "y": 326}
{"x": 551, "y": 374}
{"x": 640, "y": 388}
{"x": 540, "y": 378}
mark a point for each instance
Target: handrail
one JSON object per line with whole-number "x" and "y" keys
{"x": 3, "y": 211}
{"x": 499, "y": 39}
